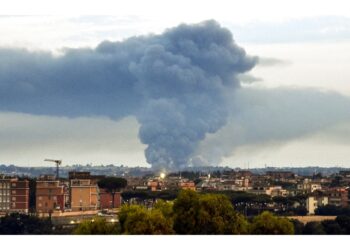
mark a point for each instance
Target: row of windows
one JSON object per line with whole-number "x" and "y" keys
{"x": 4, "y": 199}
{"x": 49, "y": 197}
{"x": 4, "y": 185}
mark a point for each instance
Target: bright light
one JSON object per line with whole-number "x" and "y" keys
{"x": 162, "y": 175}
{"x": 112, "y": 220}
{"x": 72, "y": 222}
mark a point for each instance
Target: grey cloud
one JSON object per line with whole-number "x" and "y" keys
{"x": 248, "y": 78}
{"x": 174, "y": 83}
{"x": 270, "y": 61}
{"x": 27, "y": 139}
{"x": 275, "y": 116}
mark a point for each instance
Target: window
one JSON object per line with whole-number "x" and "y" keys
{"x": 13, "y": 184}
{"x": 39, "y": 204}
{"x": 13, "y": 191}
{"x": 40, "y": 198}
{"x": 13, "y": 198}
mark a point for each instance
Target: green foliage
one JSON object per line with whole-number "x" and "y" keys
{"x": 344, "y": 223}
{"x": 313, "y": 227}
{"x": 24, "y": 224}
{"x": 267, "y": 223}
{"x": 112, "y": 184}
{"x": 298, "y": 226}
{"x": 136, "y": 219}
{"x": 332, "y": 227}
{"x": 332, "y": 210}
{"x": 206, "y": 214}
{"x": 165, "y": 207}
{"x": 144, "y": 195}
{"x": 97, "y": 226}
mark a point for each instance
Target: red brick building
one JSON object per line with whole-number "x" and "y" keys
{"x": 19, "y": 196}
{"x": 106, "y": 199}
{"x": 14, "y": 195}
{"x": 50, "y": 195}
{"x": 338, "y": 197}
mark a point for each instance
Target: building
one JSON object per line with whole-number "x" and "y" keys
{"x": 276, "y": 191}
{"x": 338, "y": 197}
{"x": 314, "y": 201}
{"x": 50, "y": 195}
{"x": 84, "y": 193}
{"x": 280, "y": 175}
{"x": 309, "y": 186}
{"x": 187, "y": 185}
{"x": 156, "y": 185}
{"x": 5, "y": 194}
{"x": 106, "y": 199}
{"x": 19, "y": 195}
{"x": 14, "y": 195}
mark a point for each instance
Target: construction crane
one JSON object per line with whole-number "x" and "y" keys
{"x": 58, "y": 163}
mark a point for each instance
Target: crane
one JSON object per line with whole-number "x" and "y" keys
{"x": 58, "y": 163}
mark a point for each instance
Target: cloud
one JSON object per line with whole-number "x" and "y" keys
{"x": 173, "y": 83}
{"x": 269, "y": 61}
{"x": 27, "y": 139}
{"x": 275, "y": 116}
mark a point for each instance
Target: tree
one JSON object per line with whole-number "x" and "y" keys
{"x": 267, "y": 223}
{"x": 313, "y": 227}
{"x": 332, "y": 227}
{"x": 328, "y": 210}
{"x": 344, "y": 223}
{"x": 136, "y": 219}
{"x": 97, "y": 226}
{"x": 24, "y": 224}
{"x": 298, "y": 226}
{"x": 112, "y": 185}
{"x": 206, "y": 214}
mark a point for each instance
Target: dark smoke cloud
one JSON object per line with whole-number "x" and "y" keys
{"x": 174, "y": 83}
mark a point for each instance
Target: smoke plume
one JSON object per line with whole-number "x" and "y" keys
{"x": 174, "y": 83}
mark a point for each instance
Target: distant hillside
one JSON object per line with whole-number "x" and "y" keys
{"x": 142, "y": 171}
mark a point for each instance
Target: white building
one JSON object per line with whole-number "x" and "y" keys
{"x": 313, "y": 202}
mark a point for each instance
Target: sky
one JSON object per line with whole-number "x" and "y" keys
{"x": 292, "y": 109}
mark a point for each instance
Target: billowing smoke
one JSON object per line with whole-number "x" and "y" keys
{"x": 174, "y": 83}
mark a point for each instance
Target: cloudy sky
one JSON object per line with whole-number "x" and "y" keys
{"x": 292, "y": 109}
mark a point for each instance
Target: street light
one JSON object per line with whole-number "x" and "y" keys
{"x": 162, "y": 175}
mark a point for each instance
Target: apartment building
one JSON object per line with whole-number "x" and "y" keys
{"x": 14, "y": 195}
{"x": 315, "y": 201}
{"x": 19, "y": 195}
{"x": 5, "y": 191}
{"x": 338, "y": 197}
{"x": 84, "y": 192}
{"x": 50, "y": 195}
{"x": 106, "y": 199}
